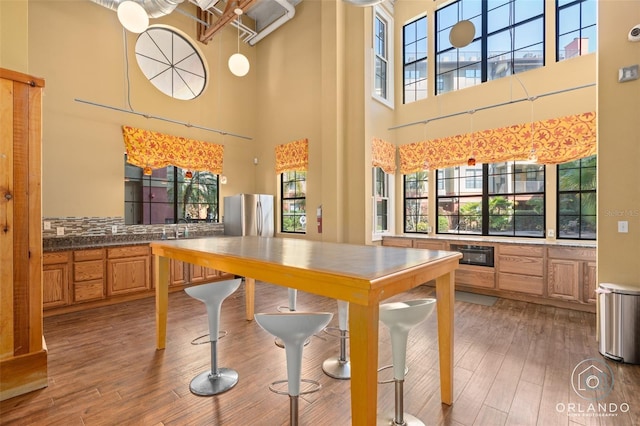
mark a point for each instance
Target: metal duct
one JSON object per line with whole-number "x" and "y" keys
{"x": 154, "y": 8}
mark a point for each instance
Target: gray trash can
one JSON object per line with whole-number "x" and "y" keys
{"x": 619, "y": 320}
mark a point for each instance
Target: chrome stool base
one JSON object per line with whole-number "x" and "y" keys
{"x": 207, "y": 384}
{"x": 409, "y": 420}
{"x": 337, "y": 368}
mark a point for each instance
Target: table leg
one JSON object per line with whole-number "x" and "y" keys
{"x": 363, "y": 346}
{"x": 249, "y": 295}
{"x": 445, "y": 293}
{"x": 161, "y": 277}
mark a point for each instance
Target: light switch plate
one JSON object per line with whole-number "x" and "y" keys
{"x": 623, "y": 226}
{"x": 47, "y": 225}
{"x": 60, "y": 231}
{"x": 114, "y": 229}
{"x": 551, "y": 233}
{"x": 628, "y": 73}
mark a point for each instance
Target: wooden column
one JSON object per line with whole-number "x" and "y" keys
{"x": 23, "y": 355}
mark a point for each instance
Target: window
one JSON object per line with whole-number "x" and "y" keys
{"x": 576, "y": 28}
{"x": 383, "y": 56}
{"x": 168, "y": 196}
{"x": 577, "y": 184}
{"x": 509, "y": 39}
{"x": 416, "y": 202}
{"x": 293, "y": 202}
{"x": 415, "y": 60}
{"x": 502, "y": 199}
{"x": 382, "y": 201}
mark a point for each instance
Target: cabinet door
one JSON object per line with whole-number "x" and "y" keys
{"x": 55, "y": 285}
{"x": 589, "y": 279}
{"x": 128, "y": 275}
{"x": 563, "y": 279}
{"x": 177, "y": 272}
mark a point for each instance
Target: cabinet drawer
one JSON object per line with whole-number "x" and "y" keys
{"x": 575, "y": 253}
{"x": 82, "y": 255}
{"x": 397, "y": 242}
{"x": 476, "y": 276}
{"x": 55, "y": 257}
{"x": 521, "y": 265}
{"x": 129, "y": 251}
{"x": 88, "y": 290}
{"x": 521, "y": 283}
{"x": 520, "y": 250}
{"x": 91, "y": 270}
{"x": 431, "y": 245}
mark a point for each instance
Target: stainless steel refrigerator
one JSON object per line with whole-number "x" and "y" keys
{"x": 249, "y": 214}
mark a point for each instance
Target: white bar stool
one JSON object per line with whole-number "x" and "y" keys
{"x": 216, "y": 380}
{"x": 293, "y": 328}
{"x": 292, "y": 295}
{"x": 400, "y": 318}
{"x": 339, "y": 367}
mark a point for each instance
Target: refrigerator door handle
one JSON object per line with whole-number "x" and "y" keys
{"x": 259, "y": 217}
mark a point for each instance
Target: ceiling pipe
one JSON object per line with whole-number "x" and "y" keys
{"x": 289, "y": 13}
{"x": 154, "y": 8}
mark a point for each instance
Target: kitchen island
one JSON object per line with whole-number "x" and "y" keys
{"x": 361, "y": 275}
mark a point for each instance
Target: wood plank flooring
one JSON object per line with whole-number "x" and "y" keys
{"x": 513, "y": 365}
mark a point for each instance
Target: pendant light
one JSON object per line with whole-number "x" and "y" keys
{"x": 238, "y": 63}
{"x": 463, "y": 32}
{"x": 132, "y": 16}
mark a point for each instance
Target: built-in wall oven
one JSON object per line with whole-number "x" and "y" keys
{"x": 474, "y": 254}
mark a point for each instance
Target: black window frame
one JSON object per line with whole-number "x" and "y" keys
{"x": 411, "y": 212}
{"x": 481, "y": 221}
{"x": 298, "y": 198}
{"x": 576, "y": 223}
{"x": 417, "y": 61}
{"x": 565, "y": 5}
{"x": 468, "y": 10}
{"x": 172, "y": 209}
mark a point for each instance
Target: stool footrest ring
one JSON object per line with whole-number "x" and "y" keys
{"x": 386, "y": 367}
{"x": 195, "y": 341}
{"x": 315, "y": 386}
{"x": 334, "y": 332}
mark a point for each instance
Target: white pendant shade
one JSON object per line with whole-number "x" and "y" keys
{"x": 238, "y": 64}
{"x": 205, "y": 4}
{"x": 462, "y": 34}
{"x": 133, "y": 17}
{"x": 363, "y": 3}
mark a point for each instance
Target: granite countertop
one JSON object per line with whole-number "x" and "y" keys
{"x": 100, "y": 241}
{"x": 502, "y": 240}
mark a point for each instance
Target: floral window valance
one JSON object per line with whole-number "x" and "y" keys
{"x": 292, "y": 156}
{"x": 155, "y": 150}
{"x": 383, "y": 155}
{"x": 555, "y": 141}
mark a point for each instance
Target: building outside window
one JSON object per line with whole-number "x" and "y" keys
{"x": 416, "y": 202}
{"x": 382, "y": 202}
{"x": 383, "y": 56}
{"x": 501, "y": 199}
{"x": 293, "y": 207}
{"x": 414, "y": 41}
{"x": 576, "y": 31}
{"x": 509, "y": 39}
{"x": 576, "y": 208}
{"x": 169, "y": 196}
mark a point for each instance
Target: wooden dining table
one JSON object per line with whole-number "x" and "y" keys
{"x": 363, "y": 275}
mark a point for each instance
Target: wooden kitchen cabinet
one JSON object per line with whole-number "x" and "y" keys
{"x": 571, "y": 274}
{"x": 521, "y": 268}
{"x": 397, "y": 242}
{"x": 88, "y": 275}
{"x": 183, "y": 273}
{"x": 128, "y": 269}
{"x": 55, "y": 279}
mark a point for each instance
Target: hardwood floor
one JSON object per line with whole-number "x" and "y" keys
{"x": 513, "y": 366}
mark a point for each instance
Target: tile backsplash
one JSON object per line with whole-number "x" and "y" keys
{"x": 103, "y": 226}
